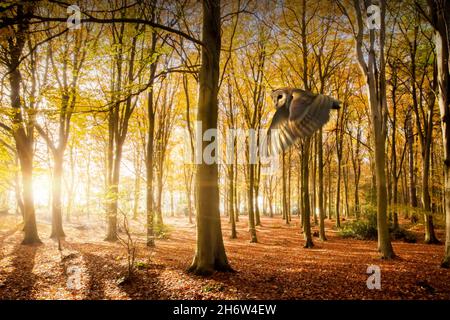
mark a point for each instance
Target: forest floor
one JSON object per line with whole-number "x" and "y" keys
{"x": 278, "y": 267}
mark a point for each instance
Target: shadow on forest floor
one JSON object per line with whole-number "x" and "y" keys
{"x": 18, "y": 283}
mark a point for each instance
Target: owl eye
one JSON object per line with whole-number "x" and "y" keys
{"x": 279, "y": 97}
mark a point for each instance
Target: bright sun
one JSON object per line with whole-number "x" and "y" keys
{"x": 41, "y": 190}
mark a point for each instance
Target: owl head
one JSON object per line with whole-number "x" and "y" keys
{"x": 281, "y": 97}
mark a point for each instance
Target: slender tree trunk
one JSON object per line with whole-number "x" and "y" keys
{"x": 345, "y": 176}
{"x": 149, "y": 159}
{"x": 159, "y": 216}
{"x": 250, "y": 199}
{"x": 430, "y": 236}
{"x": 237, "y": 205}
{"x": 357, "y": 174}
{"x": 190, "y": 173}
{"x": 394, "y": 173}
{"x": 338, "y": 194}
{"x": 231, "y": 201}
{"x": 137, "y": 186}
{"x": 113, "y": 202}
{"x": 18, "y": 194}
{"x": 237, "y": 196}
{"x": 189, "y": 194}
{"x": 395, "y": 201}
{"x": 411, "y": 166}
{"x": 313, "y": 180}
{"x": 330, "y": 204}
{"x": 71, "y": 188}
{"x": 257, "y": 180}
{"x": 284, "y": 193}
{"x": 88, "y": 185}
{"x": 289, "y": 180}
{"x": 322, "y": 235}
{"x": 57, "y": 227}
{"x": 306, "y": 212}
{"x": 357, "y": 205}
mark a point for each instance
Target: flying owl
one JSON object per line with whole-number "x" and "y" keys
{"x": 299, "y": 114}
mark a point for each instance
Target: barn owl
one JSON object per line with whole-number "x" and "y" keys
{"x": 299, "y": 114}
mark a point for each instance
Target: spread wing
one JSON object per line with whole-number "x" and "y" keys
{"x": 309, "y": 112}
{"x": 280, "y": 136}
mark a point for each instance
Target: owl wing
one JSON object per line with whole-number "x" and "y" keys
{"x": 309, "y": 112}
{"x": 280, "y": 135}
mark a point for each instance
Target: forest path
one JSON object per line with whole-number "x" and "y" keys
{"x": 277, "y": 267}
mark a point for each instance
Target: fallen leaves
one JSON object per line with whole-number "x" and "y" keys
{"x": 277, "y": 267}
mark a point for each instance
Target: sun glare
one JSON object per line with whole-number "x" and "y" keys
{"x": 41, "y": 190}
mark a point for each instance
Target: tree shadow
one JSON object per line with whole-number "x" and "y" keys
{"x": 7, "y": 234}
{"x": 19, "y": 283}
{"x": 94, "y": 264}
{"x": 144, "y": 283}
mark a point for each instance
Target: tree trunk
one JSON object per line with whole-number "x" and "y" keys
{"x": 395, "y": 201}
{"x": 384, "y": 243}
{"x": 23, "y": 130}
{"x": 88, "y": 185}
{"x": 26, "y": 167}
{"x": 441, "y": 20}
{"x": 137, "y": 186}
{"x": 411, "y": 166}
{"x": 374, "y": 72}
{"x": 313, "y": 180}
{"x": 159, "y": 216}
{"x": 338, "y": 194}
{"x": 113, "y": 190}
{"x": 149, "y": 157}
{"x": 284, "y": 191}
{"x": 57, "y": 227}
{"x": 71, "y": 188}
{"x": 330, "y": 205}
{"x": 322, "y": 235}
{"x": 306, "y": 212}
{"x": 257, "y": 180}
{"x": 251, "y": 201}
{"x": 430, "y": 236}
{"x": 231, "y": 201}
{"x": 210, "y": 253}
{"x": 189, "y": 194}
{"x": 237, "y": 198}
{"x": 18, "y": 194}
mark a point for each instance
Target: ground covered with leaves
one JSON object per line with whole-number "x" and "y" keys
{"x": 277, "y": 267}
